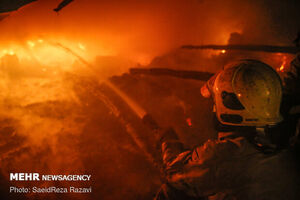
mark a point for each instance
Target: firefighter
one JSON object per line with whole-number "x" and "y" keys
{"x": 243, "y": 163}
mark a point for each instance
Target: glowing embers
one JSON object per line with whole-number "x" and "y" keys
{"x": 81, "y": 46}
{"x": 30, "y": 44}
{"x": 283, "y": 64}
{"x": 13, "y": 50}
{"x": 8, "y": 52}
{"x": 45, "y": 52}
{"x": 189, "y": 121}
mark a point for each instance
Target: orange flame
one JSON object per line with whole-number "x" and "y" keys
{"x": 46, "y": 53}
{"x": 283, "y": 64}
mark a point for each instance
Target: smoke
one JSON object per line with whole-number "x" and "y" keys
{"x": 141, "y": 30}
{"x": 51, "y": 119}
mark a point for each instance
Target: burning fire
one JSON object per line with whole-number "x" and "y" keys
{"x": 48, "y": 53}
{"x": 59, "y": 115}
{"x": 81, "y": 46}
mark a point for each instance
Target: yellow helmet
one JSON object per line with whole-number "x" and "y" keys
{"x": 246, "y": 93}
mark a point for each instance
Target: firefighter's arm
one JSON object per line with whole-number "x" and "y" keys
{"x": 195, "y": 171}
{"x": 166, "y": 139}
{"x": 171, "y": 146}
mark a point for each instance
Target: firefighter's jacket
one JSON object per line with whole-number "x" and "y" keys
{"x": 231, "y": 168}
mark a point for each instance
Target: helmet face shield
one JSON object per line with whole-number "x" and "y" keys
{"x": 231, "y": 101}
{"x": 248, "y": 93}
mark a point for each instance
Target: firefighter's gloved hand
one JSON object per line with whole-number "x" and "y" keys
{"x": 161, "y": 135}
{"x": 171, "y": 147}
{"x": 166, "y": 140}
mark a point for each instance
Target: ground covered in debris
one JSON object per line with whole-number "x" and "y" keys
{"x": 94, "y": 132}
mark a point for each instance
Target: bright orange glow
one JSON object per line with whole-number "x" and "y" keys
{"x": 30, "y": 43}
{"x": 60, "y": 112}
{"x": 11, "y": 52}
{"x": 81, "y": 46}
{"x": 283, "y": 64}
{"x": 219, "y": 52}
{"x": 138, "y": 33}
{"x": 51, "y": 53}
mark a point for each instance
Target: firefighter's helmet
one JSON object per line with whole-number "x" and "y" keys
{"x": 246, "y": 93}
